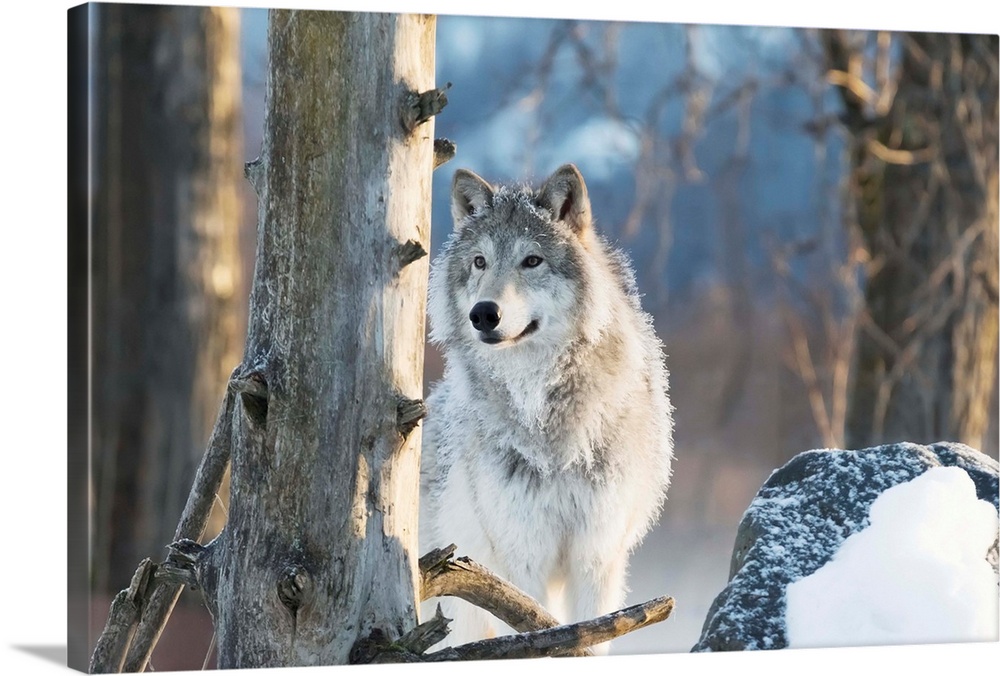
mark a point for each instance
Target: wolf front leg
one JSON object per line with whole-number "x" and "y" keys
{"x": 596, "y": 586}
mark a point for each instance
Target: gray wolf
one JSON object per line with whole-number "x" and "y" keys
{"x": 548, "y": 441}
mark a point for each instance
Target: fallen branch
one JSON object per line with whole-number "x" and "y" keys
{"x": 541, "y": 634}
{"x": 564, "y": 640}
{"x": 559, "y": 641}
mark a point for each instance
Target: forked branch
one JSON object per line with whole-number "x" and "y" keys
{"x": 544, "y": 637}
{"x": 541, "y": 635}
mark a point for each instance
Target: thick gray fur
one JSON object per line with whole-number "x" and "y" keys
{"x": 547, "y": 451}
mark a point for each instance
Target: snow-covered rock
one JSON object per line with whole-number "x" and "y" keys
{"x": 805, "y": 512}
{"x": 916, "y": 574}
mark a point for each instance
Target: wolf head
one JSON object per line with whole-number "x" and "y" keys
{"x": 517, "y": 271}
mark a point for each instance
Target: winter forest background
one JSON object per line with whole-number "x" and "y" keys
{"x": 745, "y": 180}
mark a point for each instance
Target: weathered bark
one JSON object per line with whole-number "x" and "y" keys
{"x": 923, "y": 150}
{"x": 320, "y": 545}
{"x": 165, "y": 274}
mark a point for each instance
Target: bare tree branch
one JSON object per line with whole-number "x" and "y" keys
{"x": 126, "y": 609}
{"x": 557, "y": 641}
{"x": 542, "y": 635}
{"x": 150, "y": 599}
{"x": 803, "y": 364}
{"x": 896, "y": 156}
{"x": 463, "y": 578}
{"x": 563, "y": 640}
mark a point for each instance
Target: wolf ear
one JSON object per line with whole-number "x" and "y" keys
{"x": 469, "y": 194}
{"x": 565, "y": 196}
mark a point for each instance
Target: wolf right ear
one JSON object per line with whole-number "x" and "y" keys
{"x": 564, "y": 195}
{"x": 469, "y": 194}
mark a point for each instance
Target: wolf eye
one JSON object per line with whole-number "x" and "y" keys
{"x": 532, "y": 261}
{"x": 479, "y": 262}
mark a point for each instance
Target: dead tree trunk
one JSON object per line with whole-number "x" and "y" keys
{"x": 320, "y": 546}
{"x": 924, "y": 187}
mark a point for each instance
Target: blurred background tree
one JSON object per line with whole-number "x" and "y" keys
{"x": 167, "y": 307}
{"x": 921, "y": 114}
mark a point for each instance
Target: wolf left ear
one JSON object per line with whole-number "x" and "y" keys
{"x": 564, "y": 195}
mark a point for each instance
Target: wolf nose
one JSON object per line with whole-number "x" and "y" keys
{"x": 485, "y": 315}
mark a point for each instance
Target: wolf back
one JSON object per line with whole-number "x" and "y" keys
{"x": 548, "y": 442}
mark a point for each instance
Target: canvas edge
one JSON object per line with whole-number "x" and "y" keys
{"x": 79, "y": 34}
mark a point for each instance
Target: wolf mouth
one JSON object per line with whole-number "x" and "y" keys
{"x": 528, "y": 330}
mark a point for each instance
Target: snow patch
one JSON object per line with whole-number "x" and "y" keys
{"x": 917, "y": 574}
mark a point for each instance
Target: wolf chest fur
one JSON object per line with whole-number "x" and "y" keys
{"x": 548, "y": 442}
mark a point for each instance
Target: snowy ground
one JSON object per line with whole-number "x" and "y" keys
{"x": 692, "y": 565}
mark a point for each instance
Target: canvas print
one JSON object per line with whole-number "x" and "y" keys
{"x": 403, "y": 338}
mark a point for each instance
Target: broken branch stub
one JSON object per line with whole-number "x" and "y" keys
{"x": 126, "y": 609}
{"x": 426, "y": 634}
{"x": 408, "y": 413}
{"x": 444, "y": 150}
{"x": 422, "y": 106}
